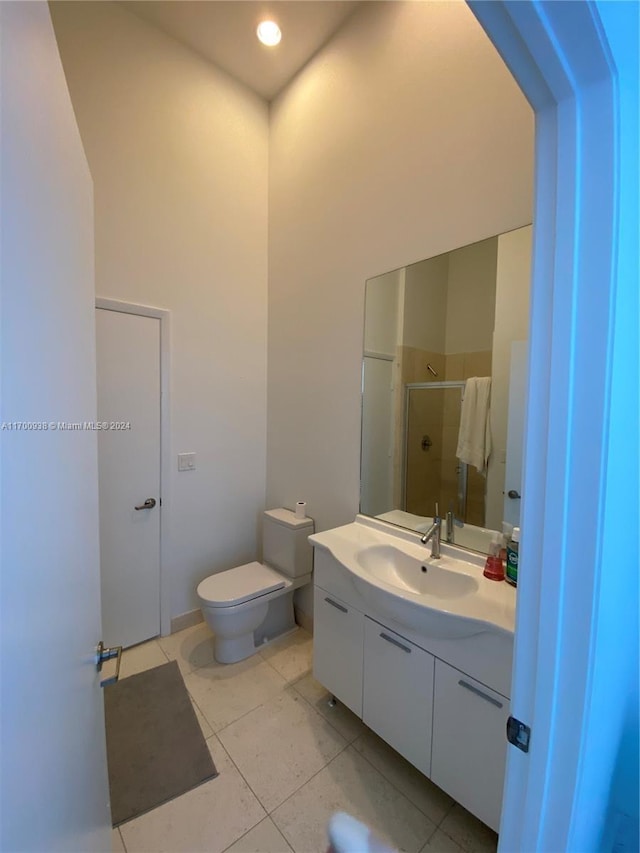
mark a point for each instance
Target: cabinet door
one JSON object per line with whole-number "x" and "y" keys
{"x": 398, "y": 693}
{"x": 338, "y": 632}
{"x": 469, "y": 742}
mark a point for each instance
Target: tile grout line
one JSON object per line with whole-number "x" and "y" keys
{"x": 424, "y": 846}
{"x": 226, "y": 725}
{"x": 251, "y": 830}
{"x": 266, "y": 813}
{"x": 195, "y": 705}
{"x": 243, "y": 715}
{"x": 326, "y": 719}
{"x": 402, "y": 794}
{"x": 283, "y": 689}
{"x": 393, "y": 785}
{"x": 375, "y": 769}
{"x": 121, "y": 839}
{"x": 164, "y": 653}
{"x": 271, "y": 666}
{"x": 269, "y": 813}
{"x": 257, "y": 799}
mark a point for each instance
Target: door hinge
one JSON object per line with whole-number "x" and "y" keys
{"x": 518, "y": 734}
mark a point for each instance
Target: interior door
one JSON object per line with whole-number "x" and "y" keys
{"x": 54, "y": 789}
{"x": 128, "y": 357}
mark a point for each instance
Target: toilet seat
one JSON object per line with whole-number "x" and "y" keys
{"x": 238, "y": 585}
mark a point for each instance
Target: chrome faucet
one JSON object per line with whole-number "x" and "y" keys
{"x": 433, "y": 534}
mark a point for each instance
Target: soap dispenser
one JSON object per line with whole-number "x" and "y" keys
{"x": 494, "y": 568}
{"x": 511, "y": 574}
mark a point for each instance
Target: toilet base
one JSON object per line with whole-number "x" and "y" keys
{"x": 233, "y": 649}
{"x": 280, "y": 620}
{"x": 276, "y": 620}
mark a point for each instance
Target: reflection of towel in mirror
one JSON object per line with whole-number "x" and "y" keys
{"x": 474, "y": 438}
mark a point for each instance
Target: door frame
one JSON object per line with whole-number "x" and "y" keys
{"x": 577, "y": 65}
{"x": 164, "y": 316}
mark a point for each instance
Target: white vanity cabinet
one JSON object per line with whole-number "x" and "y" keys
{"x": 437, "y": 700}
{"x": 338, "y": 635}
{"x": 398, "y": 693}
{"x": 469, "y": 742}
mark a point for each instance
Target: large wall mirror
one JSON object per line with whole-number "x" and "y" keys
{"x": 443, "y": 380}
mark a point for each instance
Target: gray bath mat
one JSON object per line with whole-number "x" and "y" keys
{"x": 155, "y": 747}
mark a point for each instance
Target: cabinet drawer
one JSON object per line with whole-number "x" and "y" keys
{"x": 398, "y": 693}
{"x": 469, "y": 742}
{"x": 338, "y": 634}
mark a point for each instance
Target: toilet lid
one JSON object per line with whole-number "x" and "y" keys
{"x": 240, "y": 584}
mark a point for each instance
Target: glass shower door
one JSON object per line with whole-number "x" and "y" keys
{"x": 432, "y": 472}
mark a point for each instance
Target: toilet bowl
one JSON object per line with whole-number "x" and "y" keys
{"x": 251, "y": 605}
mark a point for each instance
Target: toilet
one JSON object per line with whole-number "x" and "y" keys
{"x": 251, "y": 605}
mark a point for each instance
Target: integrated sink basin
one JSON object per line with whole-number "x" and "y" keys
{"x": 392, "y": 573}
{"x": 436, "y": 578}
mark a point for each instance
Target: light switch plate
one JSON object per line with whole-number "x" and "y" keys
{"x": 186, "y": 461}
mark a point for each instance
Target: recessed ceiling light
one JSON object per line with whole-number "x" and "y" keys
{"x": 269, "y": 33}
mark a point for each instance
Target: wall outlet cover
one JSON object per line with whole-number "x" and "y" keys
{"x": 186, "y": 461}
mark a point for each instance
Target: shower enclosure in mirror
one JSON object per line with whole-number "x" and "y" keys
{"x": 434, "y": 330}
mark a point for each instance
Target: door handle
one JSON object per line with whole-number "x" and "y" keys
{"x": 515, "y": 496}
{"x": 148, "y": 504}
{"x": 103, "y": 654}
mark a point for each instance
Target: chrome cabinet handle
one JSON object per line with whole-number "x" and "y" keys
{"x": 395, "y": 642}
{"x": 480, "y": 693}
{"x": 336, "y": 605}
{"x": 148, "y": 504}
{"x": 103, "y": 654}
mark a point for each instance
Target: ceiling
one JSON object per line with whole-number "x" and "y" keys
{"x": 224, "y": 32}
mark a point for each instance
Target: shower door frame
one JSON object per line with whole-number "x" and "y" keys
{"x": 462, "y": 467}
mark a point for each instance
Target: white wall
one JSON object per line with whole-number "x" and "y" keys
{"x": 513, "y": 275}
{"x": 54, "y": 789}
{"x": 471, "y": 297}
{"x": 178, "y": 155}
{"x": 404, "y": 138}
{"x": 425, "y": 305}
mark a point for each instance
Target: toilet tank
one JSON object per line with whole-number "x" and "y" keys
{"x": 285, "y": 546}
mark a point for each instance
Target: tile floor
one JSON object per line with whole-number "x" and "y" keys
{"x": 286, "y": 762}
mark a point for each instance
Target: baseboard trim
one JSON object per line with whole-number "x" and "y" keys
{"x": 186, "y": 620}
{"x": 303, "y": 619}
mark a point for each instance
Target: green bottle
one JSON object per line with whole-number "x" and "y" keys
{"x": 511, "y": 572}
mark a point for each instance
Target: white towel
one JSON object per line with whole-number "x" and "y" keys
{"x": 474, "y": 438}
